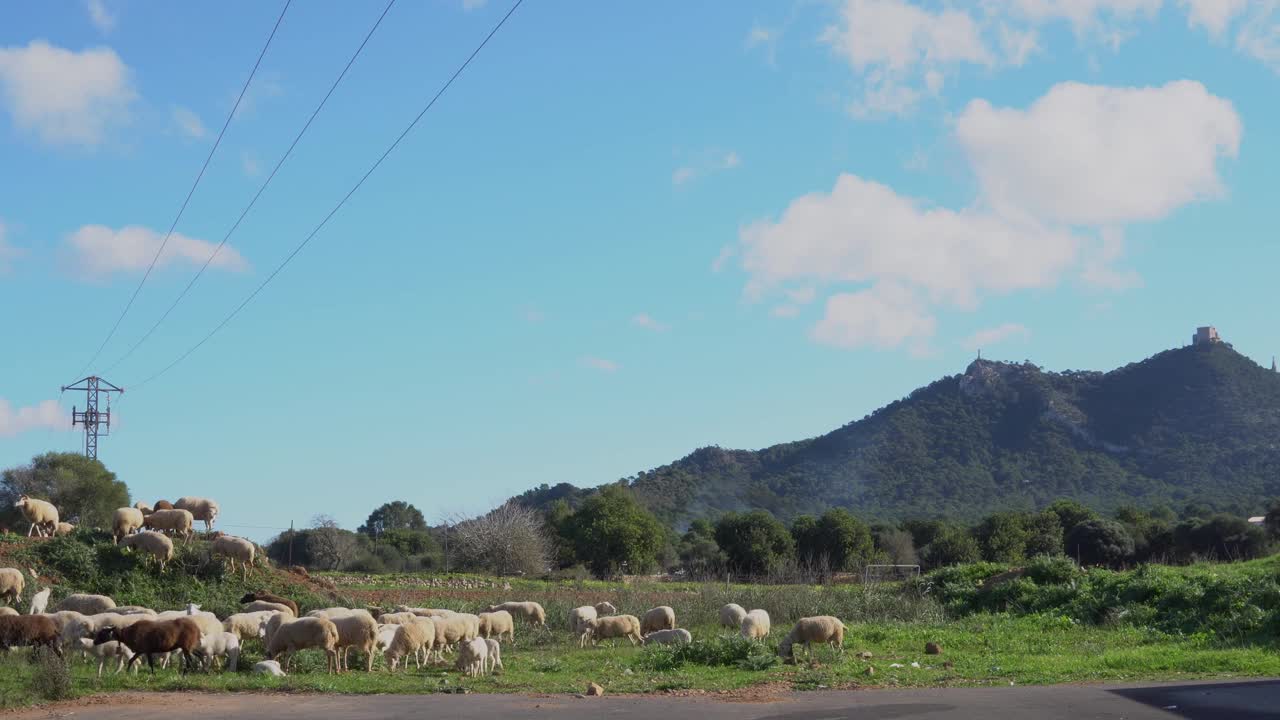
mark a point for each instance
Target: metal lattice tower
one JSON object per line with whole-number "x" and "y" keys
{"x": 97, "y": 423}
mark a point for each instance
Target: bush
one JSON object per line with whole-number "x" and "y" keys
{"x": 724, "y": 650}
{"x": 1100, "y": 542}
{"x": 52, "y": 677}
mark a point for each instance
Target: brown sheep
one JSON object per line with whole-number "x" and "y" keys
{"x": 156, "y": 637}
{"x": 614, "y": 626}
{"x": 269, "y": 597}
{"x": 162, "y": 505}
{"x": 659, "y": 618}
{"x": 31, "y": 631}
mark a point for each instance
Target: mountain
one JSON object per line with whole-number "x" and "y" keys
{"x": 1199, "y": 423}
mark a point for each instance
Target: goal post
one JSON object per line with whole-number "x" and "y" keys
{"x": 883, "y": 573}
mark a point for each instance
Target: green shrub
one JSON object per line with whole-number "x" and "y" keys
{"x": 51, "y": 679}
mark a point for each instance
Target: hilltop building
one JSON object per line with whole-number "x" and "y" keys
{"x": 1206, "y": 335}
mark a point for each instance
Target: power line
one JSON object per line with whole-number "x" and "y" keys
{"x": 190, "y": 192}
{"x": 258, "y": 194}
{"x": 341, "y": 202}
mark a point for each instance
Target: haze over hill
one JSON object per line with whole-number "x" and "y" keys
{"x": 1194, "y": 423}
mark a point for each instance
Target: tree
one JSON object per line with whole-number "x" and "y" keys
{"x": 837, "y": 540}
{"x": 895, "y": 546}
{"x": 555, "y": 521}
{"x": 82, "y": 489}
{"x": 328, "y": 545}
{"x": 754, "y": 543}
{"x": 395, "y": 515}
{"x": 804, "y": 532}
{"x": 508, "y": 540}
{"x": 1044, "y": 534}
{"x": 1070, "y": 513}
{"x": 950, "y": 546}
{"x": 1222, "y": 537}
{"x": 698, "y": 551}
{"x": 1272, "y": 520}
{"x": 611, "y": 530}
{"x": 1099, "y": 542}
{"x": 1003, "y": 537}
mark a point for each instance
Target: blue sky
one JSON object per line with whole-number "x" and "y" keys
{"x": 626, "y": 232}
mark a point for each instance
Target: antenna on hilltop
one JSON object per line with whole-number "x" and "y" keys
{"x": 92, "y": 418}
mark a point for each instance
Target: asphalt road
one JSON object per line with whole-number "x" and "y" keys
{"x": 1197, "y": 701}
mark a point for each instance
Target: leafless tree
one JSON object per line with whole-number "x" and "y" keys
{"x": 328, "y": 544}
{"x": 507, "y": 540}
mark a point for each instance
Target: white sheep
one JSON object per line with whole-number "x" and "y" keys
{"x": 756, "y": 625}
{"x": 473, "y": 657}
{"x": 86, "y": 604}
{"x": 126, "y": 521}
{"x": 532, "y": 612}
{"x": 232, "y": 549}
{"x": 451, "y": 630}
{"x": 605, "y": 608}
{"x": 248, "y": 625}
{"x": 286, "y": 636}
{"x": 260, "y": 605}
{"x": 809, "y": 630}
{"x": 495, "y": 654}
{"x": 39, "y": 602}
{"x": 731, "y": 615}
{"x": 11, "y": 585}
{"x": 416, "y": 637}
{"x": 143, "y": 508}
{"x": 220, "y": 645}
{"x": 157, "y": 547}
{"x": 356, "y": 629}
{"x": 200, "y": 508}
{"x": 659, "y": 618}
{"x": 579, "y": 616}
{"x": 64, "y": 529}
{"x": 40, "y": 513}
{"x": 132, "y": 610}
{"x": 678, "y": 636}
{"x": 614, "y": 626}
{"x": 106, "y": 651}
{"x": 208, "y": 623}
{"x": 176, "y": 522}
{"x": 268, "y": 667}
{"x": 397, "y": 618}
{"x": 497, "y": 623}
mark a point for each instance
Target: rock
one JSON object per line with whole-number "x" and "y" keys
{"x": 932, "y": 648}
{"x": 580, "y": 696}
{"x": 594, "y": 690}
{"x": 869, "y": 671}
{"x": 864, "y": 655}
{"x": 948, "y": 665}
{"x": 627, "y": 672}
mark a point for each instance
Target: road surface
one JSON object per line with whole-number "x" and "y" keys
{"x": 1196, "y": 701}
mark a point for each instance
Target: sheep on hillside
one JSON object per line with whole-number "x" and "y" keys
{"x": 11, "y": 585}
{"x": 40, "y": 513}
{"x": 809, "y": 630}
{"x": 286, "y": 637}
{"x": 659, "y": 618}
{"x": 39, "y": 602}
{"x": 679, "y": 636}
{"x": 64, "y": 529}
{"x": 86, "y": 604}
{"x": 532, "y": 612}
{"x": 497, "y": 624}
{"x": 614, "y": 626}
{"x": 473, "y": 657}
{"x": 731, "y": 615}
{"x": 200, "y": 508}
{"x": 232, "y": 549}
{"x": 126, "y": 521}
{"x": 177, "y": 522}
{"x": 105, "y": 652}
{"x": 756, "y": 625}
{"x": 158, "y": 547}
{"x": 272, "y": 598}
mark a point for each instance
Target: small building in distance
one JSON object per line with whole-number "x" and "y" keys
{"x": 1205, "y": 336}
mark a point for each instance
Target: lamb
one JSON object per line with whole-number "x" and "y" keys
{"x": 809, "y": 630}
{"x": 247, "y": 625}
{"x": 220, "y": 645}
{"x": 156, "y": 637}
{"x": 233, "y": 548}
{"x": 126, "y": 521}
{"x": 106, "y": 651}
{"x": 11, "y": 585}
{"x": 268, "y": 667}
{"x": 413, "y": 638}
{"x": 679, "y": 636}
{"x": 614, "y": 626}
{"x": 497, "y": 623}
{"x": 177, "y": 522}
{"x": 579, "y": 616}
{"x": 157, "y": 547}
{"x": 86, "y": 604}
{"x": 39, "y": 513}
{"x": 63, "y": 529}
{"x": 32, "y": 631}
{"x": 756, "y": 625}
{"x": 39, "y": 602}
{"x": 286, "y": 636}
{"x": 269, "y": 597}
{"x": 659, "y": 618}
{"x": 263, "y": 605}
{"x": 605, "y": 608}
{"x": 731, "y": 615}
{"x": 473, "y": 657}
{"x": 532, "y": 612}
{"x": 200, "y": 508}
{"x": 495, "y": 654}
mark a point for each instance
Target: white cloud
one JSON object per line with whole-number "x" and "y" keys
{"x": 600, "y": 364}
{"x": 249, "y": 164}
{"x": 46, "y": 415}
{"x": 1259, "y": 35}
{"x": 682, "y": 175}
{"x": 766, "y": 38}
{"x": 708, "y": 162}
{"x": 97, "y": 250}
{"x": 726, "y": 253}
{"x": 1094, "y": 155}
{"x": 188, "y": 122}
{"x": 473, "y": 4}
{"x": 996, "y": 335}
{"x": 532, "y": 315}
{"x": 883, "y": 316}
{"x": 1083, "y": 15}
{"x": 65, "y": 97}
{"x": 1213, "y": 15}
{"x": 647, "y": 321}
{"x": 7, "y": 252}
{"x": 100, "y": 16}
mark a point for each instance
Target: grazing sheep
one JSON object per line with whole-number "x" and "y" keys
{"x": 398, "y": 618}
{"x": 151, "y": 638}
{"x": 143, "y": 508}
{"x": 265, "y": 596}
{"x": 233, "y": 548}
{"x": 473, "y": 657}
{"x": 261, "y": 605}
{"x": 579, "y": 616}
{"x": 731, "y": 615}
{"x": 532, "y": 612}
{"x": 177, "y": 522}
{"x": 132, "y": 610}
{"x": 450, "y": 630}
{"x": 410, "y": 638}
{"x": 72, "y": 626}
{"x": 614, "y": 626}
{"x": 162, "y": 505}
{"x": 809, "y": 630}
{"x": 126, "y": 521}
{"x": 105, "y": 652}
{"x": 495, "y": 654}
{"x": 246, "y": 625}
{"x": 157, "y": 547}
{"x": 5, "y": 610}
{"x": 221, "y": 645}
{"x": 39, "y": 513}
{"x": 286, "y": 636}
{"x": 64, "y": 529}
{"x": 426, "y": 612}
{"x": 659, "y": 618}
{"x": 605, "y": 608}
{"x": 386, "y": 633}
{"x": 358, "y": 630}
{"x": 756, "y": 625}
{"x": 39, "y": 602}
{"x": 200, "y": 508}
{"x": 333, "y": 612}
{"x": 268, "y": 667}
{"x": 86, "y": 604}
{"x": 11, "y": 585}
{"x": 497, "y": 623}
{"x": 678, "y": 636}
{"x": 32, "y": 631}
